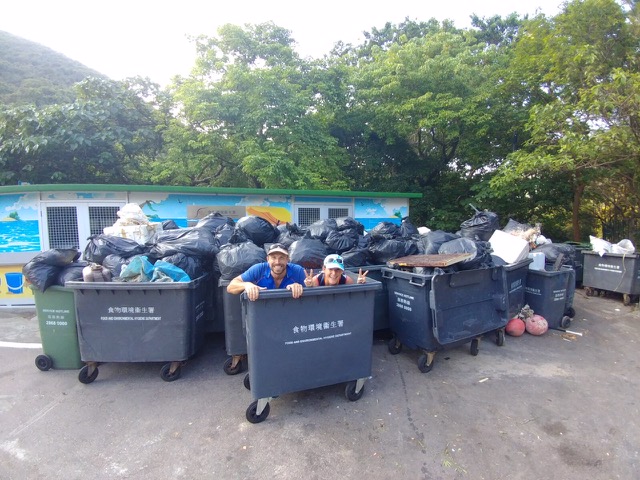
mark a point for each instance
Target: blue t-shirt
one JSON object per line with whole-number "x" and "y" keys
{"x": 260, "y": 274}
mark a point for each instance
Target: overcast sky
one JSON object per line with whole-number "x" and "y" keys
{"x": 150, "y": 37}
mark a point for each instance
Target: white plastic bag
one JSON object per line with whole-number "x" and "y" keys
{"x": 600, "y": 246}
{"x": 624, "y": 247}
{"x": 131, "y": 214}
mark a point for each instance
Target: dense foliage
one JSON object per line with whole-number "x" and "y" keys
{"x": 535, "y": 119}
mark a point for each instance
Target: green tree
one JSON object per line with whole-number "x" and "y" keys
{"x": 570, "y": 65}
{"x": 99, "y": 138}
{"x": 253, "y": 114}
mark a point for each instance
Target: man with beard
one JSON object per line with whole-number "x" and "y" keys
{"x": 276, "y": 272}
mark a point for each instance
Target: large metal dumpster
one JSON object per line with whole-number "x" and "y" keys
{"x": 433, "y": 312}
{"x": 140, "y": 322}
{"x": 550, "y": 293}
{"x": 322, "y": 338}
{"x": 612, "y": 272}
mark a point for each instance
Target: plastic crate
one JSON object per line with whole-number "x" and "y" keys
{"x": 140, "y": 322}
{"x": 433, "y": 312}
{"x": 322, "y": 338}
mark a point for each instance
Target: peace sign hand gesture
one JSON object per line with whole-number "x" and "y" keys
{"x": 309, "y": 281}
{"x": 362, "y": 277}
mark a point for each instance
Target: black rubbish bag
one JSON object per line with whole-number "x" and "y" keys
{"x": 289, "y": 233}
{"x": 408, "y": 229}
{"x": 43, "y": 270}
{"x": 234, "y": 259}
{"x": 213, "y": 222}
{"x": 553, "y": 250}
{"x": 481, "y": 253}
{"x": 339, "y": 241}
{"x": 385, "y": 230}
{"x": 169, "y": 225}
{"x": 224, "y": 234}
{"x": 115, "y": 263}
{"x": 99, "y": 246}
{"x": 257, "y": 229}
{"x": 192, "y": 266}
{"x": 192, "y": 241}
{"x": 356, "y": 257}
{"x": 321, "y": 229}
{"x": 308, "y": 252}
{"x": 71, "y": 273}
{"x": 383, "y": 250}
{"x": 349, "y": 223}
{"x": 481, "y": 226}
{"x": 430, "y": 242}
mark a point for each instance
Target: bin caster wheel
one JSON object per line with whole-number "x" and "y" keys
{"x": 565, "y": 322}
{"x": 395, "y": 346}
{"x": 167, "y": 375}
{"x": 246, "y": 382}
{"x": 230, "y": 369}
{"x": 44, "y": 362}
{"x": 425, "y": 364}
{"x": 475, "y": 347}
{"x": 253, "y": 408}
{"x": 500, "y": 337}
{"x": 626, "y": 299}
{"x": 588, "y": 291}
{"x": 350, "y": 391}
{"x": 84, "y": 376}
{"x": 570, "y": 312}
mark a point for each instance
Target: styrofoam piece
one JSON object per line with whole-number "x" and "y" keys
{"x": 538, "y": 261}
{"x": 139, "y": 233}
{"x": 510, "y": 248}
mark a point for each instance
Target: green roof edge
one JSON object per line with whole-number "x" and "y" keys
{"x": 209, "y": 190}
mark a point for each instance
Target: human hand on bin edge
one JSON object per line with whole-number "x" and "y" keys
{"x": 275, "y": 273}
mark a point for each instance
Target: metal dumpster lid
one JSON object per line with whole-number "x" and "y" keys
{"x": 435, "y": 260}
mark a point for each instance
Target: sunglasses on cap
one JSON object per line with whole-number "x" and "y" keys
{"x": 277, "y": 247}
{"x": 334, "y": 261}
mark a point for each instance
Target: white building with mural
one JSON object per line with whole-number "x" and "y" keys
{"x": 35, "y": 218}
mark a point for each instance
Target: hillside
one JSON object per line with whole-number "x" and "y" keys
{"x": 31, "y": 73}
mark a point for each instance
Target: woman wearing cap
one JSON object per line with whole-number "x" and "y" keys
{"x": 332, "y": 274}
{"x": 276, "y": 272}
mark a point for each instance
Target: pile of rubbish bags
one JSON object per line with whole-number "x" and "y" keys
{"x": 224, "y": 248}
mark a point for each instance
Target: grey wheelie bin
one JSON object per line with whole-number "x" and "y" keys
{"x": 434, "y": 312}
{"x": 612, "y": 272}
{"x": 57, "y": 322}
{"x": 322, "y": 338}
{"x": 234, "y": 338}
{"x": 381, "y": 304}
{"x": 550, "y": 293}
{"x": 516, "y": 274}
{"x": 140, "y": 322}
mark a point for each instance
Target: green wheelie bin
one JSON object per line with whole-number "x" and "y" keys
{"x": 56, "y": 312}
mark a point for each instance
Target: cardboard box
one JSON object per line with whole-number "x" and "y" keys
{"x": 508, "y": 247}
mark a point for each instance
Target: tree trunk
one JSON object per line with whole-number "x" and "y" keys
{"x": 578, "y": 190}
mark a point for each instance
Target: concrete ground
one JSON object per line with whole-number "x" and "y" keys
{"x": 560, "y": 406}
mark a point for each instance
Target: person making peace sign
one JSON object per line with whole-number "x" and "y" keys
{"x": 332, "y": 274}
